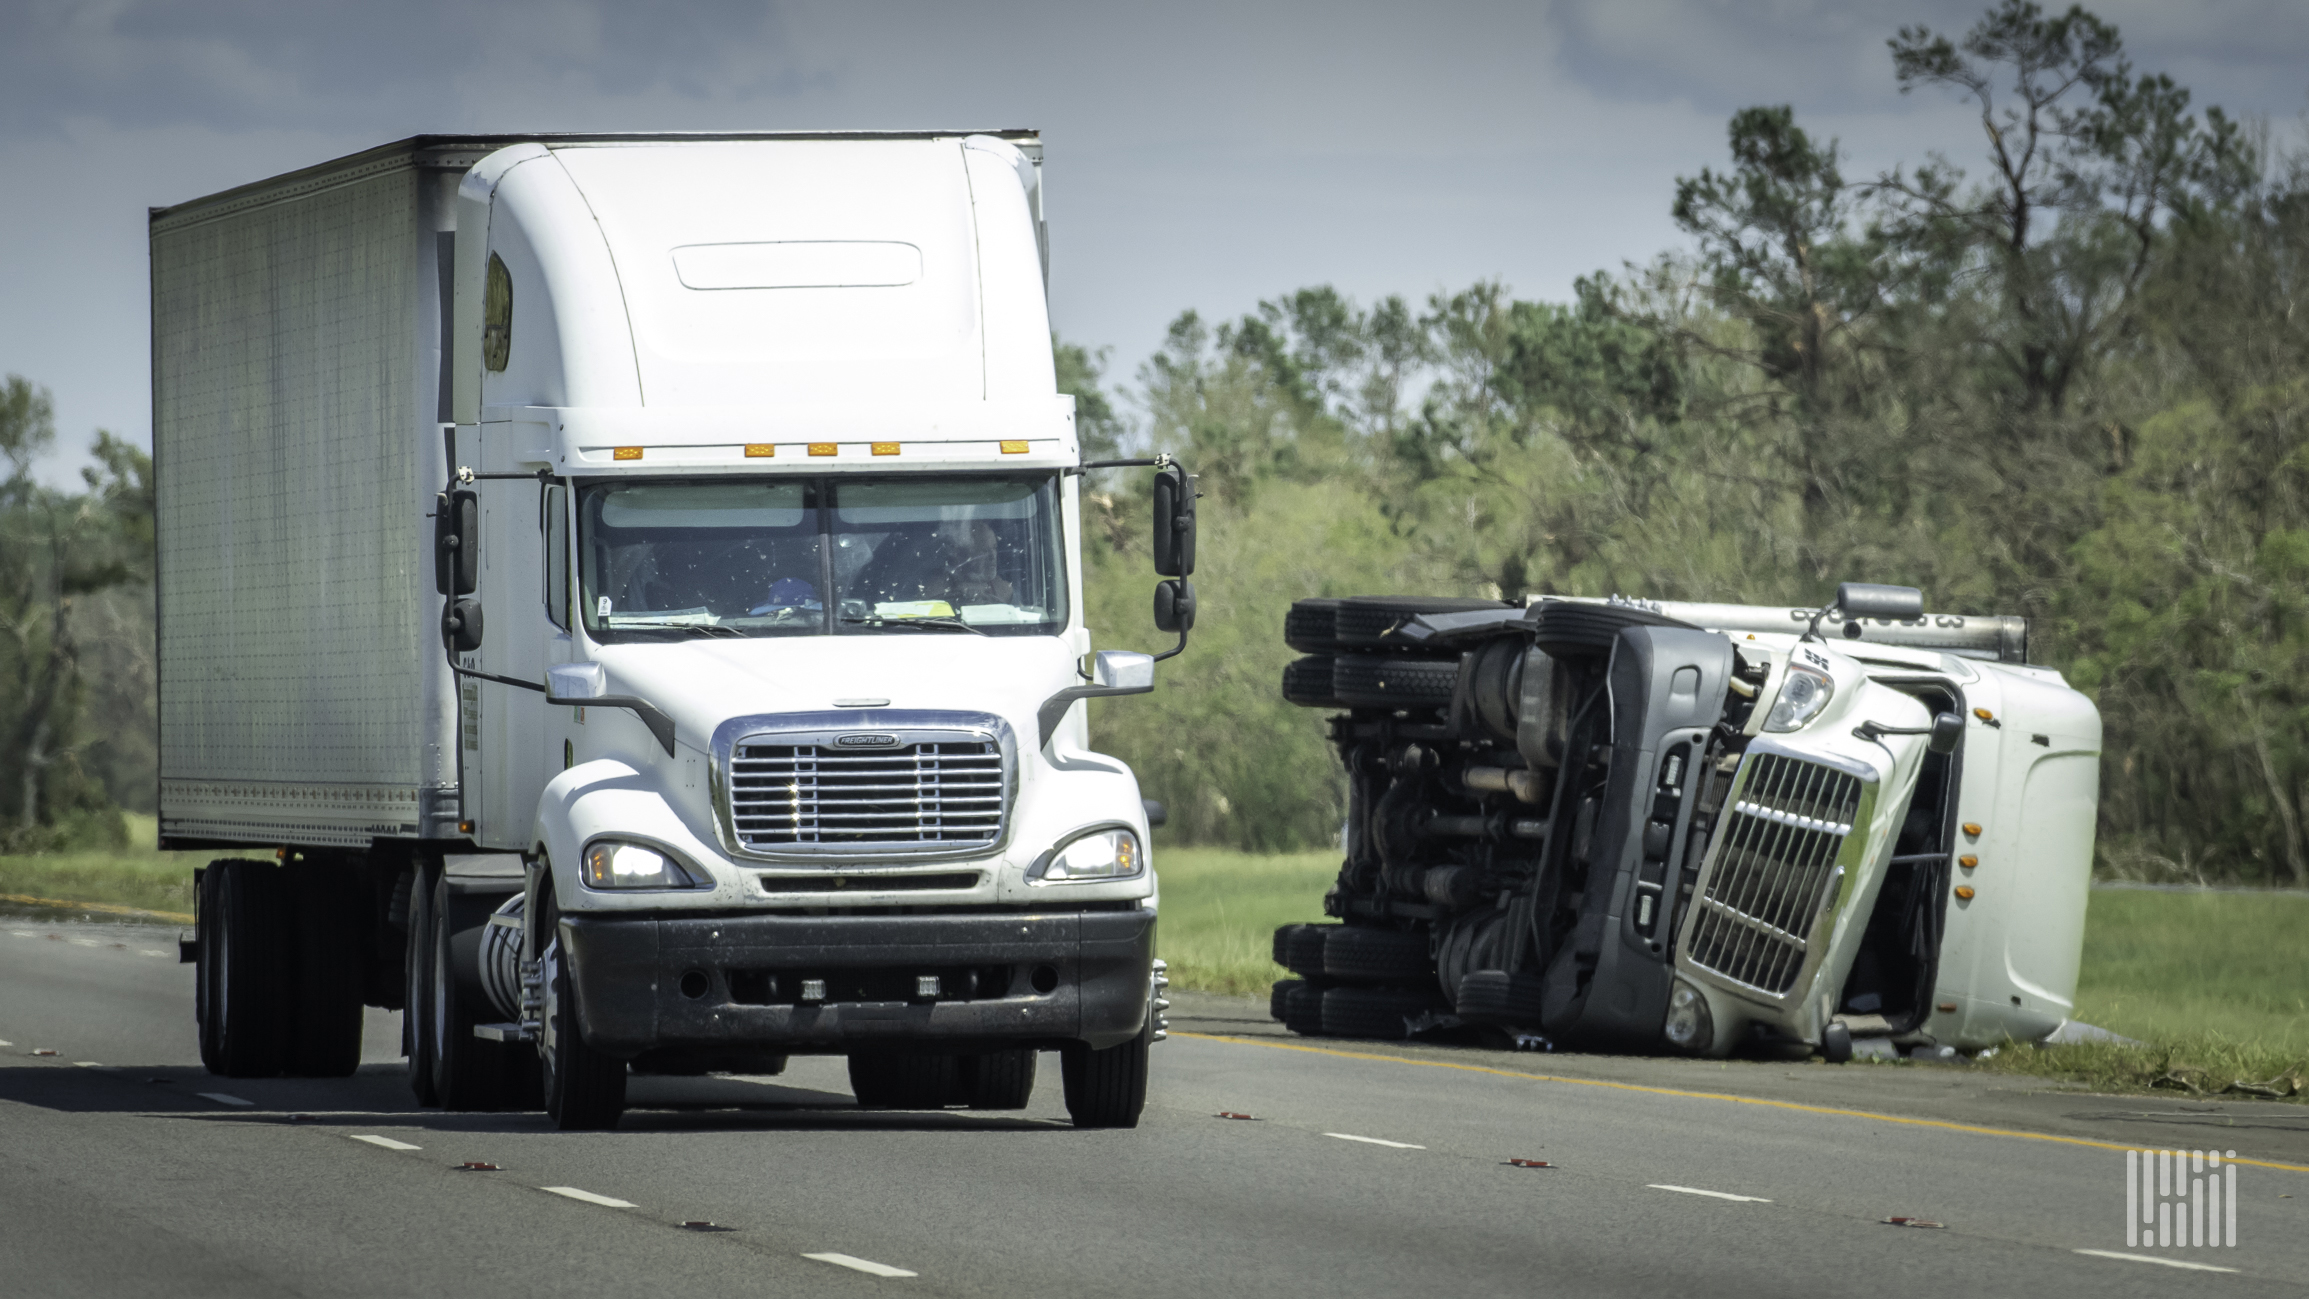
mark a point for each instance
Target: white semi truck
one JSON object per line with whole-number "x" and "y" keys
{"x": 1643, "y": 824}
{"x": 631, "y": 587}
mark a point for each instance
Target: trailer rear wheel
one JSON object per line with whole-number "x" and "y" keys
{"x": 242, "y": 969}
{"x": 1107, "y": 1089}
{"x": 904, "y": 1080}
{"x": 325, "y": 992}
{"x": 584, "y": 1088}
{"x": 998, "y": 1080}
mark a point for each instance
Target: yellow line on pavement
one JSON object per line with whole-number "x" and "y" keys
{"x": 1703, "y": 1096}
{"x": 26, "y": 899}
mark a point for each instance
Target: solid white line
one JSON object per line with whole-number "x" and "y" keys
{"x": 149, "y": 952}
{"x": 1374, "y": 1141}
{"x": 1719, "y": 1195}
{"x": 2151, "y": 1258}
{"x": 90, "y": 1064}
{"x": 222, "y": 1099}
{"x": 865, "y": 1265}
{"x": 388, "y": 1143}
{"x": 589, "y": 1197}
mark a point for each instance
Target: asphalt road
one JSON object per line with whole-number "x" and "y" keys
{"x": 127, "y": 1170}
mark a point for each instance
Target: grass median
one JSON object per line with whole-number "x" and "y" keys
{"x": 2215, "y": 986}
{"x": 139, "y": 877}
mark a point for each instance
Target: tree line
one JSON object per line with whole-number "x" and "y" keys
{"x": 2056, "y": 369}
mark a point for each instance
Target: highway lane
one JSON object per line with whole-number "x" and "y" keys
{"x": 1363, "y": 1170}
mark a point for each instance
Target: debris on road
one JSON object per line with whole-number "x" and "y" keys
{"x": 477, "y": 1166}
{"x": 1230, "y": 1114}
{"x": 1916, "y": 1222}
{"x": 1529, "y": 1163}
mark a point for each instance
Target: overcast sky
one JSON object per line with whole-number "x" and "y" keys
{"x": 1198, "y": 155}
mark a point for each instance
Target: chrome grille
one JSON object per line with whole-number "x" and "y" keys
{"x": 1773, "y": 870}
{"x": 926, "y": 795}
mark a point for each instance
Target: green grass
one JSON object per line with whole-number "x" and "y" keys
{"x": 1220, "y": 909}
{"x": 2216, "y": 985}
{"x": 140, "y": 876}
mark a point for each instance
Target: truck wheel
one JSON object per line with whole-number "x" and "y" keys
{"x": 242, "y": 969}
{"x": 417, "y": 984}
{"x": 904, "y": 1080}
{"x": 584, "y": 1088}
{"x": 1307, "y": 682}
{"x": 1836, "y": 1044}
{"x": 1298, "y": 1006}
{"x": 1380, "y": 1013}
{"x": 1299, "y": 948}
{"x": 1386, "y": 681}
{"x": 997, "y": 1080}
{"x": 1499, "y": 998}
{"x": 1107, "y": 1089}
{"x": 468, "y": 1073}
{"x": 1311, "y": 627}
{"x": 1377, "y": 956}
{"x": 325, "y": 993}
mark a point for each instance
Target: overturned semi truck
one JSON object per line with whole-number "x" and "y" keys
{"x": 1641, "y": 824}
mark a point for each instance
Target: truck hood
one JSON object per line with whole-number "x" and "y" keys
{"x": 702, "y": 683}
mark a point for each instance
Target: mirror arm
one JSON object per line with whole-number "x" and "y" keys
{"x": 1175, "y": 650}
{"x": 660, "y": 725}
{"x": 1046, "y": 718}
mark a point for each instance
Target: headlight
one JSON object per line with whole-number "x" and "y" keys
{"x": 1803, "y": 693}
{"x": 616, "y": 864}
{"x": 1110, "y": 854}
{"x": 1690, "y": 1025}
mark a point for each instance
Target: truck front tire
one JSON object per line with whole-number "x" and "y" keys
{"x": 584, "y": 1088}
{"x": 1107, "y": 1089}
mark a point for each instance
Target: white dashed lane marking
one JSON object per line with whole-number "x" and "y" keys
{"x": 865, "y": 1265}
{"x": 1374, "y": 1141}
{"x": 2151, "y": 1258}
{"x": 146, "y": 951}
{"x": 1714, "y": 1195}
{"x": 388, "y": 1143}
{"x": 90, "y": 1064}
{"x": 222, "y": 1098}
{"x": 589, "y": 1197}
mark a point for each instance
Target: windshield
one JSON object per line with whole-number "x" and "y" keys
{"x": 661, "y": 559}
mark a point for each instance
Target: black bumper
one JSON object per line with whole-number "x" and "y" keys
{"x": 1016, "y": 979}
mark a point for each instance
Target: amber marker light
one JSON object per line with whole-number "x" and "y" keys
{"x": 1968, "y": 861}
{"x": 760, "y": 450}
{"x": 1964, "y": 893}
{"x": 1972, "y": 828}
{"x": 824, "y": 448}
{"x": 885, "y": 448}
{"x": 1014, "y": 448}
{"x": 626, "y": 453}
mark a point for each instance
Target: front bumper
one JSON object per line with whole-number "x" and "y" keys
{"x": 1027, "y": 978}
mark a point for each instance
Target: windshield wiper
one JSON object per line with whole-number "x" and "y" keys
{"x": 695, "y": 628}
{"x": 955, "y": 624}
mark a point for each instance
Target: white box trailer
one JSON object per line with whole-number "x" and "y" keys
{"x": 632, "y": 585}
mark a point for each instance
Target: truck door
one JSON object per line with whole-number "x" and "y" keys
{"x": 525, "y": 608}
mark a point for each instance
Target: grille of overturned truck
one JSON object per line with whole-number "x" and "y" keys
{"x": 787, "y": 797}
{"x": 1775, "y": 869}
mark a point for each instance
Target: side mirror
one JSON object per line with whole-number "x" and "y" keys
{"x": 1871, "y": 600}
{"x": 1174, "y": 606}
{"x": 456, "y": 548}
{"x": 461, "y": 626}
{"x": 1156, "y": 814}
{"x": 1123, "y": 670}
{"x": 1947, "y": 733}
{"x": 576, "y": 682}
{"x": 1174, "y": 522}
